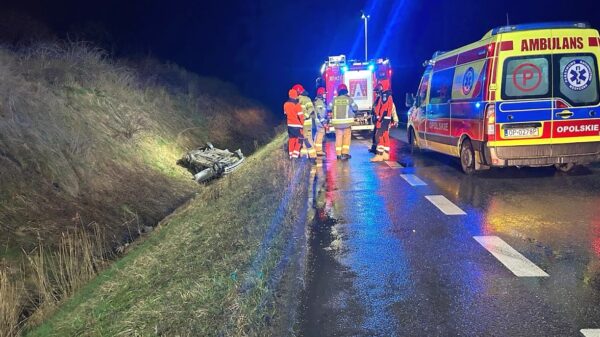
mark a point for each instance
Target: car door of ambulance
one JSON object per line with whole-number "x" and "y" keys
{"x": 524, "y": 113}
{"x": 576, "y": 114}
{"x": 437, "y": 128}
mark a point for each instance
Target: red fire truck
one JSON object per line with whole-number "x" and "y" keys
{"x": 361, "y": 78}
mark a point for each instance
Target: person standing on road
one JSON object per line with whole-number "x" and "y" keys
{"x": 308, "y": 110}
{"x": 295, "y": 121}
{"x": 387, "y": 117}
{"x": 378, "y": 90}
{"x": 321, "y": 115}
{"x": 343, "y": 109}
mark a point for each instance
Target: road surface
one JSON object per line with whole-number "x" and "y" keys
{"x": 414, "y": 247}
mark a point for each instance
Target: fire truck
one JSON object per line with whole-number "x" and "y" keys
{"x": 361, "y": 78}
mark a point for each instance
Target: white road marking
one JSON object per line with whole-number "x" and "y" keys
{"x": 590, "y": 332}
{"x": 413, "y": 180}
{"x": 393, "y": 164}
{"x": 513, "y": 260}
{"x": 445, "y": 205}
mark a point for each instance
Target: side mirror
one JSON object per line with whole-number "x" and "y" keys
{"x": 410, "y": 100}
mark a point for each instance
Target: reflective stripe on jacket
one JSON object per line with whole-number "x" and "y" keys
{"x": 343, "y": 109}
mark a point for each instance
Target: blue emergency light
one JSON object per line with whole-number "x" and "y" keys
{"x": 371, "y": 67}
{"x": 541, "y": 25}
{"x": 344, "y": 69}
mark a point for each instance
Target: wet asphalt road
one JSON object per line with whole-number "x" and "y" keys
{"x": 385, "y": 261}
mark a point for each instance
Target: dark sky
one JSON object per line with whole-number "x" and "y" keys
{"x": 265, "y": 46}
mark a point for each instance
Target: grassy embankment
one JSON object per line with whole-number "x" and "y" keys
{"x": 88, "y": 147}
{"x": 212, "y": 269}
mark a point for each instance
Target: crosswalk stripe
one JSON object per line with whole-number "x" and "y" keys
{"x": 393, "y": 164}
{"x": 413, "y": 180}
{"x": 590, "y": 332}
{"x": 445, "y": 205}
{"x": 509, "y": 257}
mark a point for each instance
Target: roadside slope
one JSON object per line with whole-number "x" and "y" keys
{"x": 213, "y": 268}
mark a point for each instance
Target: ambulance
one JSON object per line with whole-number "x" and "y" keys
{"x": 524, "y": 95}
{"x": 361, "y": 78}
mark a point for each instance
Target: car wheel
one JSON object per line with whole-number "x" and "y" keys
{"x": 467, "y": 157}
{"x": 565, "y": 168}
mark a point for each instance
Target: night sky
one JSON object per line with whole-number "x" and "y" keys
{"x": 265, "y": 46}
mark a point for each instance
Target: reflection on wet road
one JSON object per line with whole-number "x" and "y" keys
{"x": 390, "y": 258}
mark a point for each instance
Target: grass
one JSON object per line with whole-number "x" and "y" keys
{"x": 87, "y": 139}
{"x": 212, "y": 269}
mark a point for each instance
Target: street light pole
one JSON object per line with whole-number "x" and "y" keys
{"x": 366, "y": 17}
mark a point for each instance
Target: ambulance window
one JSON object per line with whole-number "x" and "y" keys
{"x": 441, "y": 86}
{"x": 578, "y": 79}
{"x": 422, "y": 94}
{"x": 526, "y": 77}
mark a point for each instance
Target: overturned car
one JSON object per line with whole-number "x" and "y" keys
{"x": 207, "y": 163}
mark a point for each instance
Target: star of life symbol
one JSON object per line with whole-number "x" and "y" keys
{"x": 468, "y": 80}
{"x": 577, "y": 75}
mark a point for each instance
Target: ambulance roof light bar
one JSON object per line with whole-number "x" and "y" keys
{"x": 541, "y": 25}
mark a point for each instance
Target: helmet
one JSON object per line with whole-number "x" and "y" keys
{"x": 299, "y": 88}
{"x": 342, "y": 87}
{"x": 320, "y": 91}
{"x": 293, "y": 94}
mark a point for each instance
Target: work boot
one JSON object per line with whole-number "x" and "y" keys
{"x": 373, "y": 149}
{"x": 386, "y": 156}
{"x": 377, "y": 158}
{"x": 348, "y": 156}
{"x": 339, "y": 156}
{"x": 321, "y": 154}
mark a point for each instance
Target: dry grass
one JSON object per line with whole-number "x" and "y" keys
{"x": 88, "y": 139}
{"x": 211, "y": 269}
{"x": 11, "y": 294}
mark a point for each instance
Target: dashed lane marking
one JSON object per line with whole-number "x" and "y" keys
{"x": 393, "y": 164}
{"x": 509, "y": 257}
{"x": 413, "y": 180}
{"x": 445, "y": 205}
{"x": 590, "y": 332}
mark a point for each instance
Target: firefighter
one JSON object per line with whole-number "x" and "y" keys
{"x": 321, "y": 115}
{"x": 387, "y": 117}
{"x": 308, "y": 109}
{"x": 343, "y": 109}
{"x": 295, "y": 121}
{"x": 378, "y": 90}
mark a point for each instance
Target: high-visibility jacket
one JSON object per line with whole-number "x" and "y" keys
{"x": 385, "y": 112}
{"x": 307, "y": 108}
{"x": 343, "y": 109}
{"x": 293, "y": 110}
{"x": 320, "y": 112}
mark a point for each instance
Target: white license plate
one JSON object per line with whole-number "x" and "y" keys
{"x": 521, "y": 132}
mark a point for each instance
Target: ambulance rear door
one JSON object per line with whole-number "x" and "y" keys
{"x": 360, "y": 88}
{"x": 524, "y": 114}
{"x": 576, "y": 117}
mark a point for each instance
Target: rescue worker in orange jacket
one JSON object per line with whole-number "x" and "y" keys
{"x": 295, "y": 121}
{"x": 386, "y": 118}
{"x": 378, "y": 90}
{"x": 308, "y": 109}
{"x": 343, "y": 109}
{"x": 321, "y": 120}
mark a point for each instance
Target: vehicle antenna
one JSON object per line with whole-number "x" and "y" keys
{"x": 507, "y": 20}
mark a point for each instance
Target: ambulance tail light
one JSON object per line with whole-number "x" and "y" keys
{"x": 490, "y": 121}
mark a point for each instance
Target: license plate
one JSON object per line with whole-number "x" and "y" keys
{"x": 521, "y": 132}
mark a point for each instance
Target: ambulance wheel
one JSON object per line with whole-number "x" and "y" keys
{"x": 467, "y": 157}
{"x": 565, "y": 168}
